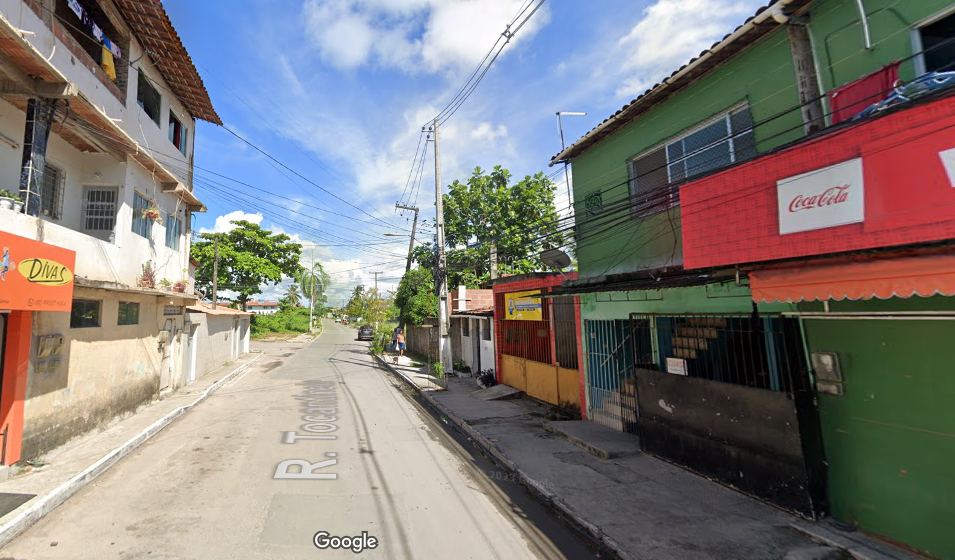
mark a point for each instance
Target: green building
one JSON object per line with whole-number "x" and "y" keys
{"x": 765, "y": 280}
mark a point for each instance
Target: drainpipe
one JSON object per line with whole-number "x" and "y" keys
{"x": 864, "y": 20}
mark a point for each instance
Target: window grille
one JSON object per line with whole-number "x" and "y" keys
{"x": 718, "y": 142}
{"x": 99, "y": 210}
{"x": 51, "y": 193}
{"x": 466, "y": 327}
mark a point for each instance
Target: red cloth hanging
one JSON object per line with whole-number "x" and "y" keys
{"x": 851, "y": 99}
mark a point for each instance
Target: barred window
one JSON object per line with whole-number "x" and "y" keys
{"x": 141, "y": 224}
{"x": 485, "y": 329}
{"x": 99, "y": 210}
{"x": 466, "y": 327}
{"x": 51, "y": 193}
{"x": 715, "y": 143}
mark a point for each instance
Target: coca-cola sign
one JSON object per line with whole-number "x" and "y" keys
{"x": 832, "y": 196}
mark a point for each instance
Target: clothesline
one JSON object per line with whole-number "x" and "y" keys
{"x": 91, "y": 25}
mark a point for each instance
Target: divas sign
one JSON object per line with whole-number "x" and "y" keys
{"x": 828, "y": 197}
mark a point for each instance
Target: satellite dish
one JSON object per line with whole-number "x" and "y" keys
{"x": 555, "y": 258}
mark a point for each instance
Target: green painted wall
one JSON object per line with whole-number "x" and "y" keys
{"x": 837, "y": 36}
{"x": 718, "y": 298}
{"x": 890, "y": 439}
{"x": 762, "y": 75}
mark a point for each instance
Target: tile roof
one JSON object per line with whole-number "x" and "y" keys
{"x": 150, "y": 22}
{"x": 721, "y": 51}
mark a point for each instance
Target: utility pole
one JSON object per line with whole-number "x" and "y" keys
{"x": 376, "y": 281}
{"x": 441, "y": 277}
{"x": 311, "y": 299}
{"x": 414, "y": 227}
{"x": 215, "y": 275}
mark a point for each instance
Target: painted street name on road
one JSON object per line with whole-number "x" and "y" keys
{"x": 320, "y": 399}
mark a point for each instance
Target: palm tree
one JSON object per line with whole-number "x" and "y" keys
{"x": 293, "y": 296}
{"x": 314, "y": 281}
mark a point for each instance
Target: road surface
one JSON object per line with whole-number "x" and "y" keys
{"x": 251, "y": 474}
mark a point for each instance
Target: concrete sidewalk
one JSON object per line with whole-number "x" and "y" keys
{"x": 633, "y": 504}
{"x": 72, "y": 466}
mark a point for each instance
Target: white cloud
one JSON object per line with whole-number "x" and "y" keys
{"x": 670, "y": 34}
{"x": 484, "y": 131}
{"x": 412, "y": 35}
{"x": 223, "y": 223}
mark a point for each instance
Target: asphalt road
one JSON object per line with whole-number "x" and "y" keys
{"x": 210, "y": 486}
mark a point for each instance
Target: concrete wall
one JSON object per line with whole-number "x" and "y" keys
{"x": 420, "y": 339}
{"x": 104, "y": 371}
{"x": 216, "y": 339}
{"x": 486, "y": 349}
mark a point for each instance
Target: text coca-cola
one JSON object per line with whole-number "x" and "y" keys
{"x": 832, "y": 195}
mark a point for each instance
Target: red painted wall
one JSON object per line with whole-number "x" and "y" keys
{"x": 16, "y": 364}
{"x": 733, "y": 218}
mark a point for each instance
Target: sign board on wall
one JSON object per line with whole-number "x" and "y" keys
{"x": 676, "y": 366}
{"x": 524, "y": 306}
{"x": 35, "y": 276}
{"x": 827, "y": 197}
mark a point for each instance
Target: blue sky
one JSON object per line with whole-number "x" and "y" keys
{"x": 338, "y": 92}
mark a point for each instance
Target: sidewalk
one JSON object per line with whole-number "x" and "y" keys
{"x": 72, "y": 466}
{"x": 634, "y": 504}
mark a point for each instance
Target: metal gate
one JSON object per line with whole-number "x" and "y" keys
{"x": 611, "y": 391}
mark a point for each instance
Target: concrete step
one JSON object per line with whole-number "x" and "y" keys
{"x": 690, "y": 343}
{"x": 599, "y": 440}
{"x": 697, "y": 332}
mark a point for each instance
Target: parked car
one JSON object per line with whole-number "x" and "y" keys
{"x": 366, "y": 332}
{"x": 338, "y": 319}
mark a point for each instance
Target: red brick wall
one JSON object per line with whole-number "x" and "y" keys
{"x": 474, "y": 299}
{"x": 733, "y": 218}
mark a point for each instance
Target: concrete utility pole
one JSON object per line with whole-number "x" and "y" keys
{"x": 441, "y": 279}
{"x": 414, "y": 227}
{"x": 215, "y": 275}
{"x": 311, "y": 299}
{"x": 376, "y": 281}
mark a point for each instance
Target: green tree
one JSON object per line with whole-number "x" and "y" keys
{"x": 315, "y": 279}
{"x": 249, "y": 257}
{"x": 356, "y": 303}
{"x": 519, "y": 218}
{"x": 416, "y": 297}
{"x": 293, "y": 296}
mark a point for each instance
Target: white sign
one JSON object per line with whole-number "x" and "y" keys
{"x": 832, "y": 196}
{"x": 676, "y": 366}
{"x": 948, "y": 161}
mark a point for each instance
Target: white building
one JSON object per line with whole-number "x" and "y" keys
{"x": 120, "y": 141}
{"x": 262, "y": 307}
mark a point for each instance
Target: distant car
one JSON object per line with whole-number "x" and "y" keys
{"x": 366, "y": 332}
{"x": 338, "y": 319}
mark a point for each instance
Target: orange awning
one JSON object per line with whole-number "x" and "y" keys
{"x": 902, "y": 277}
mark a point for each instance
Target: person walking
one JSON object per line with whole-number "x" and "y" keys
{"x": 400, "y": 339}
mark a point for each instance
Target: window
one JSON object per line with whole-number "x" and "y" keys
{"x": 485, "y": 327}
{"x": 717, "y": 142}
{"x": 99, "y": 210}
{"x": 938, "y": 43}
{"x": 466, "y": 327}
{"x": 128, "y": 313}
{"x": 177, "y": 133}
{"x": 85, "y": 314}
{"x": 148, "y": 97}
{"x": 141, "y": 224}
{"x": 173, "y": 231}
{"x": 51, "y": 193}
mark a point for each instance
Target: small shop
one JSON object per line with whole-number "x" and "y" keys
{"x": 34, "y": 277}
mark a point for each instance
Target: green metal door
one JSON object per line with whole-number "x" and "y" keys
{"x": 890, "y": 438}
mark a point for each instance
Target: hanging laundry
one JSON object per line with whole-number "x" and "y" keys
{"x": 108, "y": 65}
{"x": 117, "y": 52}
{"x": 76, "y": 7}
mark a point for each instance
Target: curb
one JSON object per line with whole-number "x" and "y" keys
{"x": 46, "y": 504}
{"x": 541, "y": 490}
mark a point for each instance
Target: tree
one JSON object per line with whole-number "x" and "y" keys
{"x": 416, "y": 297}
{"x": 356, "y": 304}
{"x": 293, "y": 296}
{"x": 314, "y": 280}
{"x": 520, "y": 219}
{"x": 249, "y": 257}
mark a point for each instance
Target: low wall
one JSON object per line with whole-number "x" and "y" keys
{"x": 549, "y": 383}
